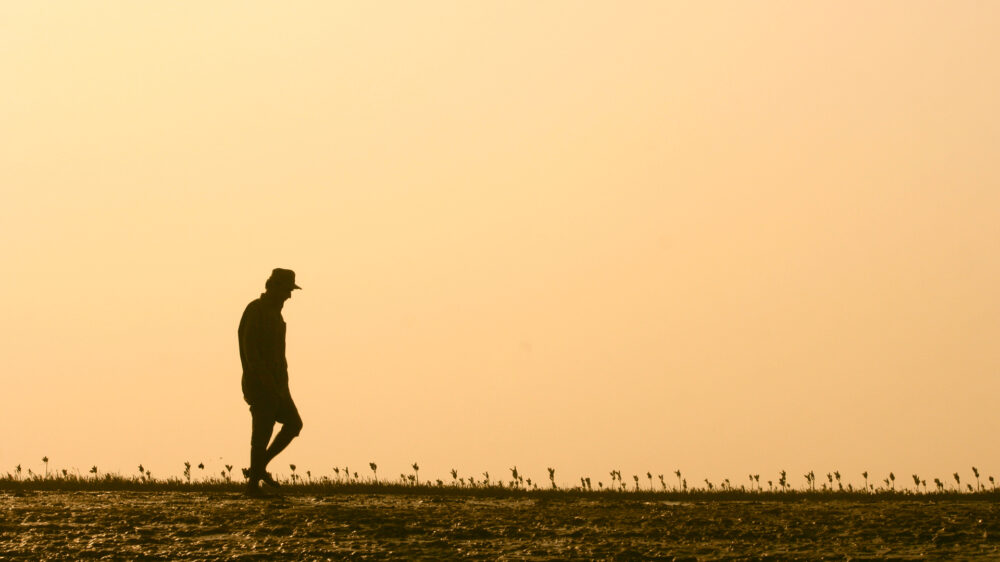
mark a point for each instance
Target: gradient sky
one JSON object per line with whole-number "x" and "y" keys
{"x": 720, "y": 237}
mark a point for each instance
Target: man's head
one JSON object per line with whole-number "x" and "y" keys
{"x": 281, "y": 283}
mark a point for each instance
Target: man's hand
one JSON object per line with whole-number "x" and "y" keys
{"x": 268, "y": 385}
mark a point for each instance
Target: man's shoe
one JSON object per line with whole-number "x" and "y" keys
{"x": 254, "y": 491}
{"x": 266, "y": 478}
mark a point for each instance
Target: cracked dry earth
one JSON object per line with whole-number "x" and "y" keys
{"x": 199, "y": 525}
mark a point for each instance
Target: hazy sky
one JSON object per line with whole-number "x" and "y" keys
{"x": 720, "y": 237}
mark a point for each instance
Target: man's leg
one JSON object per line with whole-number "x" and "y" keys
{"x": 291, "y": 425}
{"x": 263, "y": 427}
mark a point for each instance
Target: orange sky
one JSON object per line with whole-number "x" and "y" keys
{"x": 724, "y": 237}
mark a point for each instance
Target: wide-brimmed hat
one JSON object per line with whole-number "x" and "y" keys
{"x": 282, "y": 278}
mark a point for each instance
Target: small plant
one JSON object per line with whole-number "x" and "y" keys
{"x": 187, "y": 471}
{"x": 975, "y": 472}
{"x": 416, "y": 473}
{"x": 958, "y": 480}
{"x": 374, "y": 468}
{"x": 865, "y": 474}
{"x": 454, "y": 476}
{"x": 677, "y": 473}
{"x": 295, "y": 477}
{"x": 93, "y": 470}
{"x": 552, "y": 477}
{"x": 46, "y": 461}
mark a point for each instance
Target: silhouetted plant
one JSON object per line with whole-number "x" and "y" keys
{"x": 678, "y": 474}
{"x": 958, "y": 480}
{"x": 187, "y": 471}
{"x": 892, "y": 477}
{"x": 975, "y": 472}
{"x": 865, "y": 474}
{"x": 416, "y": 473}
{"x": 552, "y": 477}
{"x": 45, "y": 460}
{"x": 374, "y": 468}
{"x": 454, "y": 476}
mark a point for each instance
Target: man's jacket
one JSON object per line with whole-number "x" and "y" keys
{"x": 262, "y": 348}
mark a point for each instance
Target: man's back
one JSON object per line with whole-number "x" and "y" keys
{"x": 262, "y": 345}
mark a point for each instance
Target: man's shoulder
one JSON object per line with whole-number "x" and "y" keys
{"x": 253, "y": 308}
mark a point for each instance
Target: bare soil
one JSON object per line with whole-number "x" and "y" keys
{"x": 39, "y": 525}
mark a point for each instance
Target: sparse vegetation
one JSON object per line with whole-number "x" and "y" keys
{"x": 343, "y": 479}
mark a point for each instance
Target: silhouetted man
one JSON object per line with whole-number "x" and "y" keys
{"x": 265, "y": 377}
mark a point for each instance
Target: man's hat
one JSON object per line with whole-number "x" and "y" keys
{"x": 283, "y": 278}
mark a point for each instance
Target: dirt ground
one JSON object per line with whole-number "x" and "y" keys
{"x": 198, "y": 525}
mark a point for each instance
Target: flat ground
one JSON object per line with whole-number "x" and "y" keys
{"x": 222, "y": 525}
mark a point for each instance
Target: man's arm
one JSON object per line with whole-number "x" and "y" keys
{"x": 251, "y": 345}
